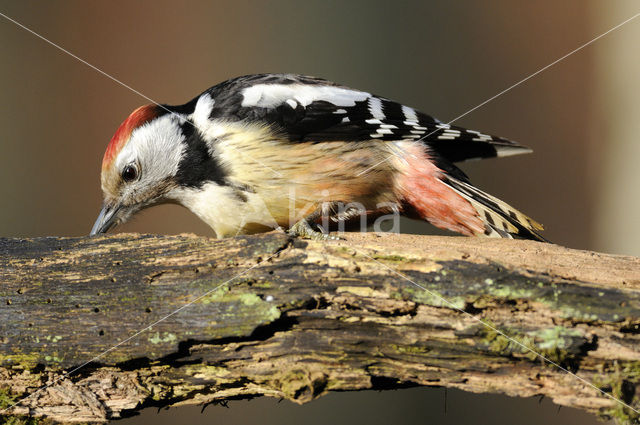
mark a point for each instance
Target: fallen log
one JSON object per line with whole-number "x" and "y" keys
{"x": 146, "y": 320}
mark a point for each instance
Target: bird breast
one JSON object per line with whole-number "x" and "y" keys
{"x": 275, "y": 182}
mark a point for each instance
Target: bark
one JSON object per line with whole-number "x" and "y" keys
{"x": 268, "y": 315}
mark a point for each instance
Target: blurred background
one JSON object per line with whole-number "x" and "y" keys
{"x": 580, "y": 116}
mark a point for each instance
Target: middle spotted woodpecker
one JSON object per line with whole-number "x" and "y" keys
{"x": 279, "y": 150}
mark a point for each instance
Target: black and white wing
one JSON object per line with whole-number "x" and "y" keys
{"x": 308, "y": 109}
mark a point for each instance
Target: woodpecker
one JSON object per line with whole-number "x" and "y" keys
{"x": 264, "y": 151}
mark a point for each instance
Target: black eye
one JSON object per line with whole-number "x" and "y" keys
{"x": 129, "y": 173}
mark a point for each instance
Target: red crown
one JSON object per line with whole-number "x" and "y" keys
{"x": 139, "y": 117}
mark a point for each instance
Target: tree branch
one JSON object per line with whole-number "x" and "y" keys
{"x": 295, "y": 319}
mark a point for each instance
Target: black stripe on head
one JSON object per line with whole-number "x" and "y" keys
{"x": 197, "y": 166}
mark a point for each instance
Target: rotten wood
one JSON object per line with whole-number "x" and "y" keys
{"x": 268, "y": 315}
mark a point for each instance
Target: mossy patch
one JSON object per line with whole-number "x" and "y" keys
{"x": 21, "y": 360}
{"x": 53, "y": 359}
{"x": 557, "y": 337}
{"x": 558, "y": 344}
{"x": 6, "y": 400}
{"x": 263, "y": 284}
{"x": 165, "y": 337}
{"x": 225, "y": 295}
{"x": 236, "y": 311}
{"x": 620, "y": 380}
{"x": 430, "y": 296}
{"x": 461, "y": 282}
{"x": 394, "y": 258}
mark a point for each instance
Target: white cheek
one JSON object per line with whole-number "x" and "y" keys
{"x": 156, "y": 146}
{"x": 202, "y": 111}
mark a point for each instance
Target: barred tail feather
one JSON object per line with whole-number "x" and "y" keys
{"x": 501, "y": 220}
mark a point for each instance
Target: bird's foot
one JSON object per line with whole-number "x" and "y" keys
{"x": 304, "y": 230}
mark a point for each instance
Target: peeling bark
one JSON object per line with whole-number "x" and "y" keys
{"x": 296, "y": 319}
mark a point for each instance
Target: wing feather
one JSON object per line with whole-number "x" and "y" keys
{"x": 308, "y": 109}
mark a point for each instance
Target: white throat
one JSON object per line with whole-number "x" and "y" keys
{"x": 227, "y": 213}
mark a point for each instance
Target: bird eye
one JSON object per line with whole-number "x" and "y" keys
{"x": 129, "y": 173}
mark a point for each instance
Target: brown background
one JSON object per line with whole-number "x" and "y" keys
{"x": 581, "y": 117}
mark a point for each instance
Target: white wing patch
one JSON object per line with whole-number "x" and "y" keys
{"x": 272, "y": 95}
{"x": 201, "y": 118}
{"x": 375, "y": 108}
{"x": 449, "y": 134}
{"x": 480, "y": 137}
{"x": 292, "y": 103}
{"x": 203, "y": 110}
{"x": 410, "y": 114}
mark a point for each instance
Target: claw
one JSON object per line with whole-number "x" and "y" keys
{"x": 304, "y": 230}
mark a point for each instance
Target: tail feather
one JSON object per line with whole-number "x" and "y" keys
{"x": 457, "y": 144}
{"x": 501, "y": 220}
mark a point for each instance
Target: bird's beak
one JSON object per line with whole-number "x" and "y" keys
{"x": 107, "y": 219}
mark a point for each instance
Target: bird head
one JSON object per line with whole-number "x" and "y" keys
{"x": 139, "y": 164}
